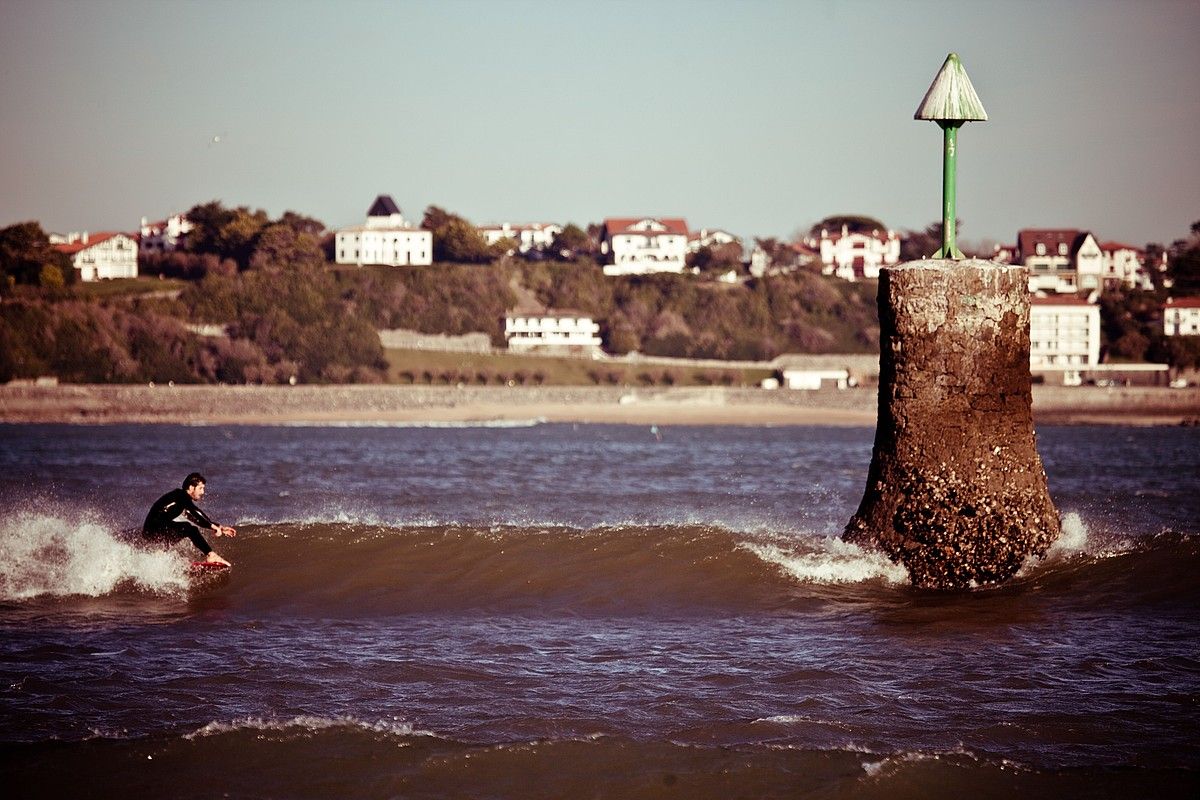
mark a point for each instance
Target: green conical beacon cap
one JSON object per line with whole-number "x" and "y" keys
{"x": 951, "y": 97}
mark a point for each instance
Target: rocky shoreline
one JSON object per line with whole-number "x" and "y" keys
{"x": 373, "y": 404}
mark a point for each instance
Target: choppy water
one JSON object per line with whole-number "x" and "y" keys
{"x": 563, "y": 611}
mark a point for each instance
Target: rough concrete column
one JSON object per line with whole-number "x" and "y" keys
{"x": 956, "y": 490}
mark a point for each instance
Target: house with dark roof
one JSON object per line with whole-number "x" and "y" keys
{"x": 385, "y": 239}
{"x": 641, "y": 245}
{"x": 1065, "y": 260}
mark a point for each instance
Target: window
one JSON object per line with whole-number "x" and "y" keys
{"x": 1041, "y": 249}
{"x": 1062, "y": 248}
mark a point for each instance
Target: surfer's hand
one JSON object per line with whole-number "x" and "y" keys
{"x": 225, "y": 530}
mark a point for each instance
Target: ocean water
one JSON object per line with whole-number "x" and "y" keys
{"x": 552, "y": 610}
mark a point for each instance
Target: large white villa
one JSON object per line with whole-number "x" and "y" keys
{"x": 642, "y": 245}
{"x": 854, "y": 255}
{"x": 100, "y": 256}
{"x": 386, "y": 239}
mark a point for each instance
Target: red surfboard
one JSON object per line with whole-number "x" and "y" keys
{"x": 202, "y": 566}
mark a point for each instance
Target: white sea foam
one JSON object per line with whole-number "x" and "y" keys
{"x": 47, "y": 555}
{"x": 308, "y": 724}
{"x": 831, "y": 561}
{"x": 1073, "y": 539}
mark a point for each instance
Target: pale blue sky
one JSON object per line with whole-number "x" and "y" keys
{"x": 758, "y": 117}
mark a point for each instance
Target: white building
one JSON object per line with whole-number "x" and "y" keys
{"x": 163, "y": 236}
{"x": 710, "y": 237}
{"x": 1181, "y": 316}
{"x": 100, "y": 256}
{"x": 386, "y": 239}
{"x": 641, "y": 245}
{"x": 853, "y": 256}
{"x": 1064, "y": 337}
{"x": 1066, "y": 260}
{"x": 533, "y": 236}
{"x": 552, "y": 330}
{"x": 1125, "y": 265}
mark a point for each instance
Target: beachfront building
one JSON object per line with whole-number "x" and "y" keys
{"x": 855, "y": 255}
{"x": 164, "y": 235}
{"x": 100, "y": 256}
{"x": 1181, "y": 316}
{"x": 534, "y": 236}
{"x": 1064, "y": 338}
{"x": 562, "y": 331}
{"x": 642, "y": 245}
{"x": 385, "y": 239}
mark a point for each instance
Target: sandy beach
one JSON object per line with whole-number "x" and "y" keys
{"x": 365, "y": 405}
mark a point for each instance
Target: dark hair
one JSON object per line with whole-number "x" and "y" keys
{"x": 192, "y": 480}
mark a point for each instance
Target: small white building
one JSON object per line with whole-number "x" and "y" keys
{"x": 855, "y": 255}
{"x": 1181, "y": 316}
{"x": 385, "y": 239}
{"x": 100, "y": 256}
{"x": 1064, "y": 337}
{"x": 163, "y": 236}
{"x": 560, "y": 330}
{"x": 1125, "y": 265}
{"x": 1046, "y": 252}
{"x": 529, "y": 237}
{"x": 710, "y": 237}
{"x": 642, "y": 245}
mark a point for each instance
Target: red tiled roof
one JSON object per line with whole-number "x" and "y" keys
{"x": 93, "y": 239}
{"x": 1183, "y": 302}
{"x": 1028, "y": 239}
{"x": 615, "y": 225}
{"x": 1064, "y": 300}
{"x": 1111, "y": 247}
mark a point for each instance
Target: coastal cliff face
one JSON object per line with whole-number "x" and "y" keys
{"x": 956, "y": 490}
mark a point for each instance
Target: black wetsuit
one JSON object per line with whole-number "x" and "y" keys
{"x": 164, "y": 522}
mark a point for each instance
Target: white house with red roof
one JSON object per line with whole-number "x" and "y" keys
{"x": 1181, "y": 316}
{"x": 854, "y": 255}
{"x": 561, "y": 330}
{"x": 1064, "y": 337}
{"x": 164, "y": 235}
{"x": 385, "y": 239}
{"x": 529, "y": 237}
{"x": 642, "y": 245}
{"x": 100, "y": 256}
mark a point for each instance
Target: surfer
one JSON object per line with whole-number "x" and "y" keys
{"x": 175, "y": 516}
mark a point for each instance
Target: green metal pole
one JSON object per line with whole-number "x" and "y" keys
{"x": 949, "y": 181}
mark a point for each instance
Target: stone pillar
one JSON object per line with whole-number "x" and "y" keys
{"x": 956, "y": 490}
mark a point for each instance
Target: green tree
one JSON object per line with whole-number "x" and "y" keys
{"x": 225, "y": 232}
{"x": 1183, "y": 263}
{"x": 572, "y": 242}
{"x": 25, "y": 255}
{"x": 855, "y": 223}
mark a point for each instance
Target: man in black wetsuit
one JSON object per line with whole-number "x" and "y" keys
{"x": 175, "y": 516}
